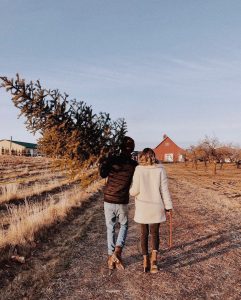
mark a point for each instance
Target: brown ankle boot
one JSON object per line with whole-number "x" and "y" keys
{"x": 117, "y": 258}
{"x": 110, "y": 262}
{"x": 154, "y": 268}
{"x": 146, "y": 263}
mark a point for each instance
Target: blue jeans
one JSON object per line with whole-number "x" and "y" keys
{"x": 116, "y": 213}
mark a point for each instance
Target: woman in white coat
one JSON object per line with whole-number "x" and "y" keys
{"x": 152, "y": 203}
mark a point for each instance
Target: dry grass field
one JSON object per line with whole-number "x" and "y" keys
{"x": 68, "y": 260}
{"x": 34, "y": 193}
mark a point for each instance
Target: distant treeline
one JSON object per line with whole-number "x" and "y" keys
{"x": 210, "y": 150}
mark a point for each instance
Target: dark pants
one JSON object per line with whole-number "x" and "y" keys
{"x": 153, "y": 229}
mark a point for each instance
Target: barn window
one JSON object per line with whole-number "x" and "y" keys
{"x": 168, "y": 157}
{"x": 167, "y": 144}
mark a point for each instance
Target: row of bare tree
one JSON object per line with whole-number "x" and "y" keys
{"x": 210, "y": 150}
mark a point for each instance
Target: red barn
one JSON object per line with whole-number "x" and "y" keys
{"x": 168, "y": 151}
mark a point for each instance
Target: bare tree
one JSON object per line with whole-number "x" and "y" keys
{"x": 236, "y": 156}
{"x": 191, "y": 155}
{"x": 210, "y": 150}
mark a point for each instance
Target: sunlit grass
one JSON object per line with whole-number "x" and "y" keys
{"x": 26, "y": 220}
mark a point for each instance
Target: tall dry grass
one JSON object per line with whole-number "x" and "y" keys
{"x": 26, "y": 220}
{"x": 25, "y": 178}
{"x": 16, "y": 191}
{"x": 9, "y": 191}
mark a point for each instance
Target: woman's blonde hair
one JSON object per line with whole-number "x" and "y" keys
{"x": 147, "y": 157}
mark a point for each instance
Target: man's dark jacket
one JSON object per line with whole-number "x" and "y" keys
{"x": 119, "y": 170}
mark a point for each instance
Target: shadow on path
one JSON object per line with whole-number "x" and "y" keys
{"x": 200, "y": 249}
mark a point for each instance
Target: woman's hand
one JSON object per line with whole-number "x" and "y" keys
{"x": 168, "y": 212}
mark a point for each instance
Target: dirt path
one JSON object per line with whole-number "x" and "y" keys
{"x": 204, "y": 263}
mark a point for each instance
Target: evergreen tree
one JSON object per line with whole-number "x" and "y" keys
{"x": 69, "y": 129}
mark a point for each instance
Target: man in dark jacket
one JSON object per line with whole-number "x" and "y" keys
{"x": 119, "y": 170}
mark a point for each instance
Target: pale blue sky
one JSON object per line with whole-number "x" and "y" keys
{"x": 169, "y": 67}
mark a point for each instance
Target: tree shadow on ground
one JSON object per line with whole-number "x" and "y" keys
{"x": 203, "y": 248}
{"x": 195, "y": 251}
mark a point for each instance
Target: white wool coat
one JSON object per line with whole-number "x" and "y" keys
{"x": 152, "y": 197}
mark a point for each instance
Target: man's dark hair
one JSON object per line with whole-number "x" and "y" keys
{"x": 127, "y": 144}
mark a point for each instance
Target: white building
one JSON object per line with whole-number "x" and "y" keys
{"x": 9, "y": 147}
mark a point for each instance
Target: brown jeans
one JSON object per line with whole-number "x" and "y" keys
{"x": 153, "y": 229}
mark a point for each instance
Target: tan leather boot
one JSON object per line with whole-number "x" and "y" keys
{"x": 146, "y": 263}
{"x": 154, "y": 268}
{"x": 117, "y": 258}
{"x": 110, "y": 262}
